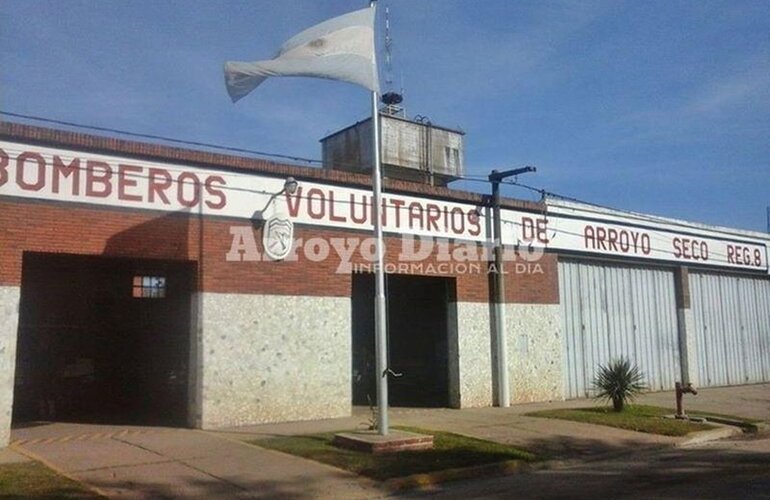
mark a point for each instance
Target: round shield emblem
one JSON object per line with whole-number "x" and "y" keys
{"x": 277, "y": 237}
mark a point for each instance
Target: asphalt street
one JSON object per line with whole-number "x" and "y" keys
{"x": 735, "y": 469}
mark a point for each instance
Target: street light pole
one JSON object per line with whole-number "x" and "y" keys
{"x": 503, "y": 386}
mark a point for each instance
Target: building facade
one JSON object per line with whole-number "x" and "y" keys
{"x": 146, "y": 284}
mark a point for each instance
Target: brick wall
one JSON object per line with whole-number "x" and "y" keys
{"x": 66, "y": 228}
{"x": 80, "y": 229}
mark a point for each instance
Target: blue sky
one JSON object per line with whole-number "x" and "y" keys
{"x": 655, "y": 106}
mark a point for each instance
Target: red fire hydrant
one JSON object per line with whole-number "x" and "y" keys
{"x": 680, "y": 391}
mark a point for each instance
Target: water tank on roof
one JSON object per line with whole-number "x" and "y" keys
{"x": 412, "y": 149}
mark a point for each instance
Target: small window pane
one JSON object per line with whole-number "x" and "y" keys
{"x": 149, "y": 287}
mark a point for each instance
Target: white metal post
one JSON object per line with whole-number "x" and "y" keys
{"x": 501, "y": 351}
{"x": 503, "y": 383}
{"x": 380, "y": 311}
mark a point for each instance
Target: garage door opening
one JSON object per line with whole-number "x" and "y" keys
{"x": 418, "y": 325}
{"x": 103, "y": 340}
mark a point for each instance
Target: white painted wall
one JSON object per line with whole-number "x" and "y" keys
{"x": 270, "y": 358}
{"x": 534, "y": 353}
{"x": 474, "y": 354}
{"x": 9, "y": 326}
{"x": 533, "y": 338}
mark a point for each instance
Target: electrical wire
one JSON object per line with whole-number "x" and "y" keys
{"x": 479, "y": 178}
{"x": 365, "y": 203}
{"x": 161, "y": 138}
{"x": 466, "y": 177}
{"x": 300, "y": 159}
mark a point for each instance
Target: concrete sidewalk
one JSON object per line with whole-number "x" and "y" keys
{"x": 548, "y": 438}
{"x": 146, "y": 462}
{"x": 748, "y": 401}
{"x": 143, "y": 462}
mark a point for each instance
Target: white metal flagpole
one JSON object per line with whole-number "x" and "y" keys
{"x": 380, "y": 310}
{"x": 350, "y": 34}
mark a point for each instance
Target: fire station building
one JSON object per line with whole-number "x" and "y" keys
{"x": 147, "y": 284}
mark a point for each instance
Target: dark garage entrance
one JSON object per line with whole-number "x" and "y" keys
{"x": 103, "y": 340}
{"x": 418, "y": 325}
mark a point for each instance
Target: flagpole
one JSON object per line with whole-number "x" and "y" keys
{"x": 243, "y": 77}
{"x": 380, "y": 310}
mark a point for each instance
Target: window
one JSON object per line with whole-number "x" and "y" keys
{"x": 149, "y": 287}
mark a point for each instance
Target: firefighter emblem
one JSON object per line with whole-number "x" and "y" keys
{"x": 277, "y": 237}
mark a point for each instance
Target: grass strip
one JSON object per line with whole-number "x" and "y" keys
{"x": 34, "y": 480}
{"x": 639, "y": 418}
{"x": 451, "y": 451}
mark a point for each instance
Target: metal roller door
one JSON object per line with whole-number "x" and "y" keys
{"x": 732, "y": 328}
{"x": 611, "y": 311}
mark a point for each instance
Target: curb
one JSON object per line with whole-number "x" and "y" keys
{"x": 415, "y": 482}
{"x": 426, "y": 481}
{"x": 746, "y": 427}
{"x": 709, "y": 435}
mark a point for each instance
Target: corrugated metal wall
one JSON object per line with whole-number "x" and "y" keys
{"x": 612, "y": 311}
{"x": 732, "y": 328}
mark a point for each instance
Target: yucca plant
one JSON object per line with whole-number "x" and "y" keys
{"x": 619, "y": 381}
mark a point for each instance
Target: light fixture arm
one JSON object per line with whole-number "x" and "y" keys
{"x": 290, "y": 186}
